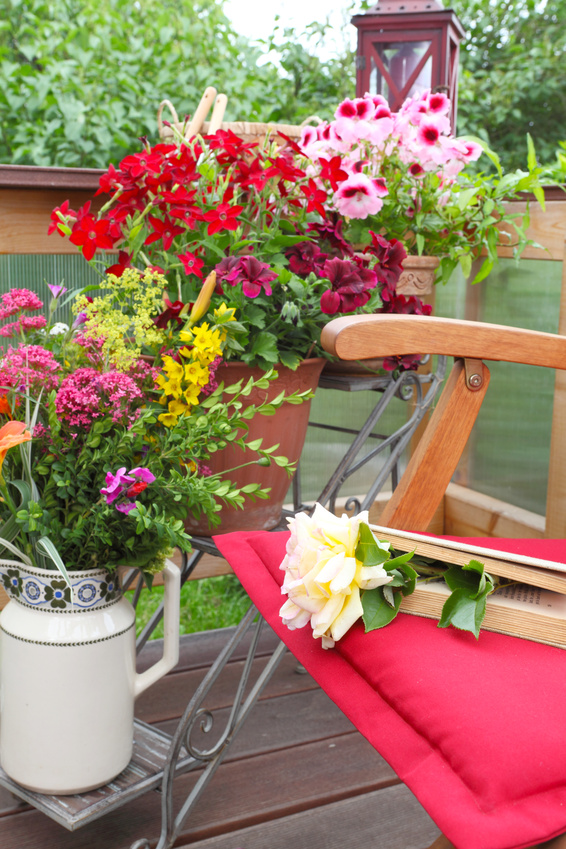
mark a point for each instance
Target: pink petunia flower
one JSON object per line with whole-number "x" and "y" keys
{"x": 358, "y": 197}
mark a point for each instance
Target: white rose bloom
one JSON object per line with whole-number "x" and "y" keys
{"x": 323, "y": 578}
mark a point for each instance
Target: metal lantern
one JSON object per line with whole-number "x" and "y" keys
{"x": 406, "y": 47}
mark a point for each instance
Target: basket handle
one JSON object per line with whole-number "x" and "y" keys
{"x": 217, "y": 113}
{"x": 161, "y": 107}
{"x": 201, "y": 112}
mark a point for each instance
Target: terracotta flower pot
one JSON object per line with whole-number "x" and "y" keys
{"x": 287, "y": 428}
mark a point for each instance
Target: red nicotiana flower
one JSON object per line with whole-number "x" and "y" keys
{"x": 172, "y": 312}
{"x": 109, "y": 182}
{"x": 253, "y": 174}
{"x": 165, "y": 230}
{"x": 222, "y": 217}
{"x": 315, "y": 198}
{"x": 124, "y": 261}
{"x": 229, "y": 145}
{"x": 138, "y": 164}
{"x": 192, "y": 264}
{"x": 63, "y": 211}
{"x": 331, "y": 171}
{"x": 90, "y": 234}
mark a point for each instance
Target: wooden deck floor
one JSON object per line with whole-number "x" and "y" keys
{"x": 298, "y": 775}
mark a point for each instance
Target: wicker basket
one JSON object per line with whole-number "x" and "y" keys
{"x": 249, "y": 132}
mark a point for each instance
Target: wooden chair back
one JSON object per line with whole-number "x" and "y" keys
{"x": 432, "y": 464}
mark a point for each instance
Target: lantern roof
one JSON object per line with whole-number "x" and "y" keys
{"x": 395, "y": 7}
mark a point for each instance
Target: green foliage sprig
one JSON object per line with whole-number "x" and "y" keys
{"x": 464, "y": 608}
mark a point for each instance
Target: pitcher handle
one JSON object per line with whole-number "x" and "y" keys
{"x": 171, "y": 615}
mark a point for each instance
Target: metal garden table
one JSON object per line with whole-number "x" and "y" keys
{"x": 158, "y": 758}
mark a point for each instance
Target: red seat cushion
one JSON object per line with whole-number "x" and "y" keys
{"x": 476, "y": 729}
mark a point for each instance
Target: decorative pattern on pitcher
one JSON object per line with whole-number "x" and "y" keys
{"x": 32, "y": 589}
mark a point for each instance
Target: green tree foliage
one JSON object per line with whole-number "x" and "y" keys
{"x": 513, "y": 78}
{"x": 81, "y": 79}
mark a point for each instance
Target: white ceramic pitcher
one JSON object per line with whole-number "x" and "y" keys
{"x": 67, "y": 676}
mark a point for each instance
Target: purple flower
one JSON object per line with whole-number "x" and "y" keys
{"x": 56, "y": 290}
{"x": 126, "y": 507}
{"x": 121, "y": 482}
{"x": 254, "y": 276}
{"x": 143, "y": 474}
{"x": 115, "y": 484}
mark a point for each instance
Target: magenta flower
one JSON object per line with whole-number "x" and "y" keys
{"x": 390, "y": 255}
{"x": 29, "y": 366}
{"x": 17, "y": 300}
{"x": 252, "y": 274}
{"x": 86, "y": 395}
{"x": 115, "y": 484}
{"x": 56, "y": 290}
{"x": 26, "y": 322}
{"x": 129, "y": 484}
{"x": 306, "y": 257}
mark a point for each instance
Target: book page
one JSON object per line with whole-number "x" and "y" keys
{"x": 472, "y": 550}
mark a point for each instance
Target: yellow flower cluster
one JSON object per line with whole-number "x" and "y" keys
{"x": 123, "y": 318}
{"x": 182, "y": 382}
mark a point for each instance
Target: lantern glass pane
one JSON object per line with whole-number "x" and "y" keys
{"x": 400, "y": 62}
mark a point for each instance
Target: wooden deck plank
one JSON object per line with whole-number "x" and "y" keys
{"x": 243, "y": 793}
{"x": 198, "y": 651}
{"x": 290, "y": 720}
{"x": 389, "y": 819}
{"x": 159, "y": 704}
{"x": 298, "y": 772}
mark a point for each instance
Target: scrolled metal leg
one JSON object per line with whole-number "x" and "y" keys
{"x": 185, "y": 754}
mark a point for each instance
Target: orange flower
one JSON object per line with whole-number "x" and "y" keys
{"x": 12, "y": 433}
{"x": 5, "y": 406}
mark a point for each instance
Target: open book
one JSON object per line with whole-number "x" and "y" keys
{"x": 517, "y": 609}
{"x": 528, "y": 570}
{"x": 533, "y": 608}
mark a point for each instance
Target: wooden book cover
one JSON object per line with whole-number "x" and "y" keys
{"x": 528, "y": 570}
{"x": 521, "y": 610}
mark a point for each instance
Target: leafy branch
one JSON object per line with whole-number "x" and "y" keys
{"x": 470, "y": 585}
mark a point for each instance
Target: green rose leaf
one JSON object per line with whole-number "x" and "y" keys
{"x": 463, "y": 612}
{"x": 369, "y": 550}
{"x": 378, "y": 611}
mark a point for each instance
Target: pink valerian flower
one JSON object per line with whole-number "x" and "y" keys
{"x": 359, "y": 196}
{"x": 350, "y": 286}
{"x": 86, "y": 395}
{"x": 18, "y": 300}
{"x": 126, "y": 485}
{"x": 212, "y": 380}
{"x": 26, "y": 322}
{"x": 29, "y": 368}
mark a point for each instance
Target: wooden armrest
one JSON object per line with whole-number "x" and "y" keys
{"x": 362, "y": 337}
